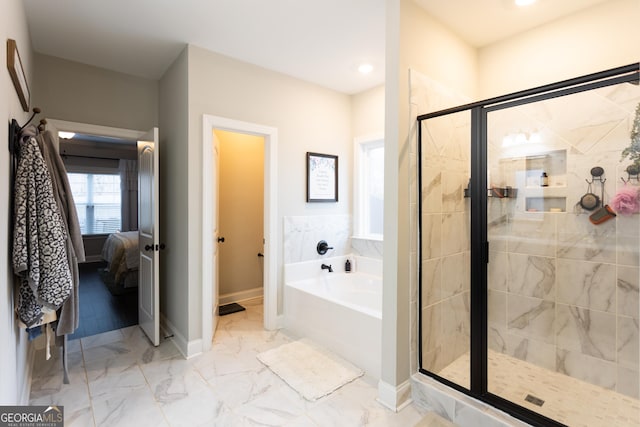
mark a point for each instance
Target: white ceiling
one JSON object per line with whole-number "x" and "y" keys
{"x": 482, "y": 22}
{"x": 320, "y": 41}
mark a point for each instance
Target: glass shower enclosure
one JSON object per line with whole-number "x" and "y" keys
{"x": 529, "y": 228}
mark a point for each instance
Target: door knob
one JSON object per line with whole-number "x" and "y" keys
{"x": 220, "y": 239}
{"x": 148, "y": 247}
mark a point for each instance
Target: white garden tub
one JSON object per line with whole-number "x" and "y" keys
{"x": 340, "y": 311}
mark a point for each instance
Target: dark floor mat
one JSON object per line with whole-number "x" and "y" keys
{"x": 234, "y": 307}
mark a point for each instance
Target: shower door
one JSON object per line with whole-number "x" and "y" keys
{"x": 563, "y": 273}
{"x": 553, "y": 228}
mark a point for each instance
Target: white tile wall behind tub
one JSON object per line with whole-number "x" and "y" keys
{"x": 302, "y": 234}
{"x": 367, "y": 248}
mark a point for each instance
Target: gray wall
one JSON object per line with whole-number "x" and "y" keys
{"x": 14, "y": 385}
{"x": 308, "y": 118}
{"x": 76, "y": 92}
{"x": 174, "y": 224}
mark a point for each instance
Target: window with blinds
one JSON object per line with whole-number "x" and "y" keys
{"x": 98, "y": 200}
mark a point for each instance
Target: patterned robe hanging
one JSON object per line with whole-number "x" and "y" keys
{"x": 39, "y": 238}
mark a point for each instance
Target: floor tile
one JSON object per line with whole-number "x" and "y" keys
{"x": 119, "y": 379}
{"x": 566, "y": 399}
{"x": 134, "y": 408}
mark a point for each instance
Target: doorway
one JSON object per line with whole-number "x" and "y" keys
{"x": 99, "y": 162}
{"x": 241, "y": 216}
{"x": 210, "y": 288}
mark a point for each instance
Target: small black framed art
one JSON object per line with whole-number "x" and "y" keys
{"x": 322, "y": 177}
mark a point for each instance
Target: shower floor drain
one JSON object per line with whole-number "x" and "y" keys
{"x": 535, "y": 400}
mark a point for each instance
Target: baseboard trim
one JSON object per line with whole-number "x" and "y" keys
{"x": 280, "y": 321}
{"x": 187, "y": 348}
{"x": 194, "y": 348}
{"x": 240, "y": 296}
{"x": 394, "y": 397}
{"x": 92, "y": 258}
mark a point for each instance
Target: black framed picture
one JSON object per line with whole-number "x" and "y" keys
{"x": 322, "y": 177}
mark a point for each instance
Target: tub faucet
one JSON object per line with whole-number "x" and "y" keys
{"x": 327, "y": 267}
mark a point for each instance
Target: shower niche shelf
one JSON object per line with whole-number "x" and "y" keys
{"x": 551, "y": 198}
{"x": 553, "y": 163}
{"x": 546, "y": 204}
{"x": 525, "y": 174}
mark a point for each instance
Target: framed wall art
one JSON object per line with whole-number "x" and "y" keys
{"x": 322, "y": 177}
{"x": 16, "y": 71}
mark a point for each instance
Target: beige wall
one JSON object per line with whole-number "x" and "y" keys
{"x": 68, "y": 90}
{"x": 173, "y": 148}
{"x": 602, "y": 37}
{"x": 241, "y": 221}
{"x": 367, "y": 112}
{"x": 414, "y": 41}
{"x": 14, "y": 386}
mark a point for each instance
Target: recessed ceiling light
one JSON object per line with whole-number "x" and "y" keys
{"x": 524, "y": 2}
{"x": 66, "y": 135}
{"x": 365, "y": 68}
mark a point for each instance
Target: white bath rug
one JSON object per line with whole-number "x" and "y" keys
{"x": 309, "y": 369}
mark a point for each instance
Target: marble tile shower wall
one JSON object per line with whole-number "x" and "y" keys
{"x": 302, "y": 234}
{"x": 445, "y": 226}
{"x": 563, "y": 292}
{"x": 565, "y": 297}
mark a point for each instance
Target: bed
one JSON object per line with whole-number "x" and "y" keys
{"x": 121, "y": 253}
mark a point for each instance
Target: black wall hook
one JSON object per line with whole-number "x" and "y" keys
{"x": 596, "y": 175}
{"x": 630, "y": 178}
{"x": 632, "y": 174}
{"x": 15, "y": 129}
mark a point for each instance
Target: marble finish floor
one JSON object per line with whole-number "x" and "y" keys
{"x": 568, "y": 400}
{"x": 119, "y": 379}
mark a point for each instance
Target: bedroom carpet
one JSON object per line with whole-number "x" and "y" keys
{"x": 309, "y": 369}
{"x": 100, "y": 311}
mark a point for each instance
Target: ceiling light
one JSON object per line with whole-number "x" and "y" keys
{"x": 66, "y": 135}
{"x": 524, "y": 2}
{"x": 365, "y": 68}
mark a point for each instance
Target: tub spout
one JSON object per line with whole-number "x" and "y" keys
{"x": 327, "y": 267}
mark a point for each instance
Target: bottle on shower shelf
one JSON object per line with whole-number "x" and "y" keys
{"x": 544, "y": 180}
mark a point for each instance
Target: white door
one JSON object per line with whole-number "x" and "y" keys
{"x": 149, "y": 236}
{"x": 217, "y": 239}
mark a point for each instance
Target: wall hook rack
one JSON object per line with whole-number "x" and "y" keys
{"x": 630, "y": 178}
{"x": 15, "y": 129}
{"x": 596, "y": 175}
{"x": 633, "y": 173}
